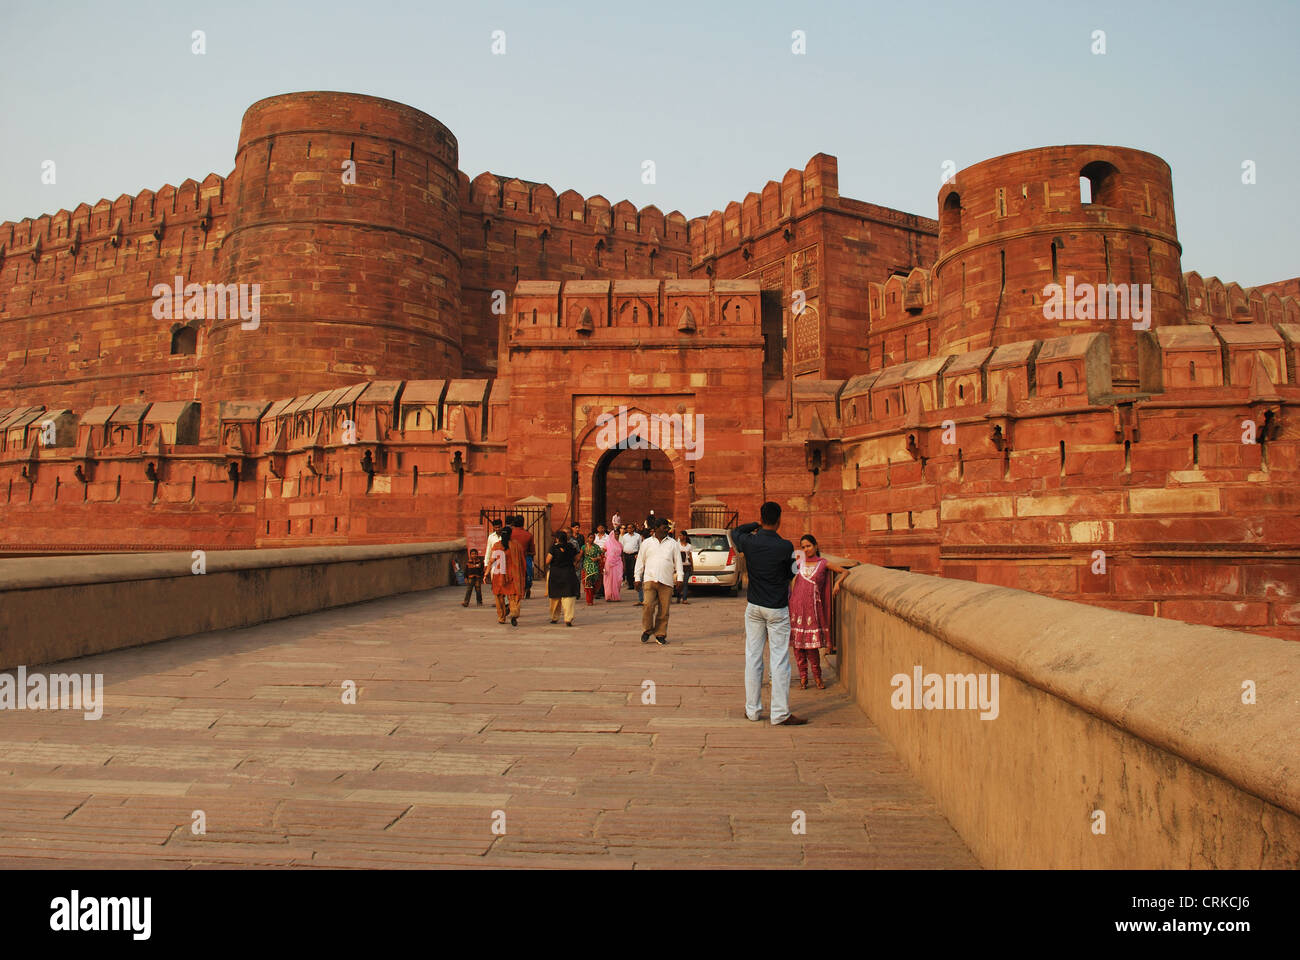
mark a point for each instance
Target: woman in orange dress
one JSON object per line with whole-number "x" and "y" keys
{"x": 509, "y": 576}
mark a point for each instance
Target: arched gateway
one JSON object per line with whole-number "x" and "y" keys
{"x": 632, "y": 483}
{"x": 622, "y": 471}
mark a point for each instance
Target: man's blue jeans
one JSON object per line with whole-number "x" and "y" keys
{"x": 770, "y": 626}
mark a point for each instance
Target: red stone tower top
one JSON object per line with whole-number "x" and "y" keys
{"x": 1010, "y": 226}
{"x": 346, "y": 213}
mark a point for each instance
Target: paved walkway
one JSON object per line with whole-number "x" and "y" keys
{"x": 456, "y": 717}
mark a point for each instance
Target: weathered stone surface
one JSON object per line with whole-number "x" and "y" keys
{"x": 456, "y": 717}
{"x": 1108, "y": 740}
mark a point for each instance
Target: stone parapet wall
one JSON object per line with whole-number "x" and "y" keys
{"x": 57, "y": 608}
{"x": 1103, "y": 720}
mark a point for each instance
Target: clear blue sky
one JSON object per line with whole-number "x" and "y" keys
{"x": 710, "y": 91}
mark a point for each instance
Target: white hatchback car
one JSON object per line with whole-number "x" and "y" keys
{"x": 717, "y": 564}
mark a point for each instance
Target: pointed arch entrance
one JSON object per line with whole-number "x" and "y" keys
{"x": 632, "y": 483}
{"x": 622, "y": 471}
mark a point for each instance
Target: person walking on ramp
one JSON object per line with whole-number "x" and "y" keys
{"x": 593, "y": 561}
{"x": 562, "y": 577}
{"x": 659, "y": 568}
{"x": 770, "y": 560}
{"x": 613, "y": 566}
{"x": 506, "y": 567}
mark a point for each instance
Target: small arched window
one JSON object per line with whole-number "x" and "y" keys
{"x": 185, "y": 341}
{"x": 1099, "y": 184}
{"x": 950, "y": 220}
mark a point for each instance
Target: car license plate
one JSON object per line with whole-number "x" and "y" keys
{"x": 704, "y": 579}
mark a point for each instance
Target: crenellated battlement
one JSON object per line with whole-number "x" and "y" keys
{"x": 777, "y": 205}
{"x": 115, "y": 220}
{"x": 492, "y": 197}
{"x": 602, "y": 311}
{"x": 1210, "y": 300}
{"x": 900, "y": 299}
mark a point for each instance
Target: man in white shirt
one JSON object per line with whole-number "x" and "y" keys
{"x": 492, "y": 539}
{"x": 631, "y": 541}
{"x": 659, "y": 567}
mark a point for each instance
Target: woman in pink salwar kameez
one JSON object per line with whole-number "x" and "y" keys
{"x": 613, "y": 566}
{"x": 811, "y": 595}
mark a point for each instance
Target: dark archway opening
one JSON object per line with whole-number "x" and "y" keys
{"x": 772, "y": 321}
{"x": 631, "y": 483}
{"x": 950, "y": 221}
{"x": 185, "y": 341}
{"x": 1099, "y": 184}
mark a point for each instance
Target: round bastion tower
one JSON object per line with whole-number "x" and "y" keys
{"x": 1010, "y": 226}
{"x": 346, "y": 214}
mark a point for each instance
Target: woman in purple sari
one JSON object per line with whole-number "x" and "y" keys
{"x": 811, "y": 595}
{"x": 613, "y": 566}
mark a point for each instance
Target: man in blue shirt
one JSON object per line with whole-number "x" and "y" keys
{"x": 770, "y": 564}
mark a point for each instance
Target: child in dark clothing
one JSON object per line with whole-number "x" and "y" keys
{"x": 474, "y": 577}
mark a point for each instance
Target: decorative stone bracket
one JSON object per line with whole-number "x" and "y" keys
{"x": 918, "y": 434}
{"x": 317, "y": 464}
{"x": 816, "y": 447}
{"x": 1265, "y": 404}
{"x": 232, "y": 449}
{"x": 458, "y": 459}
{"x": 154, "y": 459}
{"x": 1127, "y": 427}
{"x": 84, "y": 462}
{"x": 1001, "y": 421}
{"x": 30, "y": 462}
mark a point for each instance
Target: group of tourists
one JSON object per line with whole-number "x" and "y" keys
{"x": 790, "y": 590}
{"x": 648, "y": 560}
{"x": 596, "y": 565}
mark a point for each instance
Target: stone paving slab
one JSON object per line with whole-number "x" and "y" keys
{"x": 459, "y": 723}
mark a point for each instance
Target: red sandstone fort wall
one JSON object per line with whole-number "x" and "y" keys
{"x": 1018, "y": 465}
{"x": 511, "y": 230}
{"x": 922, "y": 411}
{"x": 76, "y": 302}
